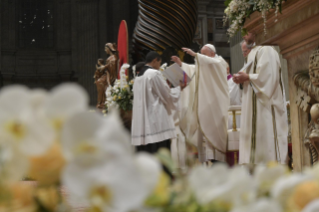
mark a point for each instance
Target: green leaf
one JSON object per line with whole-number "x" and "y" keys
{"x": 244, "y": 32}
{"x": 227, "y": 2}
{"x": 164, "y": 156}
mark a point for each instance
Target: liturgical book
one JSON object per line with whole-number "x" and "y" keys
{"x": 174, "y": 74}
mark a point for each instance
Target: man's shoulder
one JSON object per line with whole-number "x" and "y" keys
{"x": 151, "y": 72}
{"x": 266, "y": 49}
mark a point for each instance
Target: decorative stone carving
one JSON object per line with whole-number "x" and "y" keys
{"x": 313, "y": 132}
{"x": 308, "y": 142}
{"x": 303, "y": 100}
{"x": 314, "y": 67}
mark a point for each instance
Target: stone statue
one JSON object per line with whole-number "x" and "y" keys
{"x": 106, "y": 73}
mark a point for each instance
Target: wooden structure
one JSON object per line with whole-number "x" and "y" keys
{"x": 163, "y": 24}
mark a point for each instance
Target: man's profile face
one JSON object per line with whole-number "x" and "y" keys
{"x": 207, "y": 51}
{"x": 244, "y": 49}
{"x": 157, "y": 63}
{"x": 249, "y": 38}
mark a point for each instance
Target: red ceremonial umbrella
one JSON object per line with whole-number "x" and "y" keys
{"x": 122, "y": 45}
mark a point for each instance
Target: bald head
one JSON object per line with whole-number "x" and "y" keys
{"x": 207, "y": 51}
{"x": 245, "y": 48}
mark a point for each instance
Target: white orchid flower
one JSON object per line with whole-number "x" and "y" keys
{"x": 38, "y": 98}
{"x": 19, "y": 124}
{"x": 94, "y": 139}
{"x": 265, "y": 177}
{"x": 118, "y": 185}
{"x": 232, "y": 186}
{"x": 261, "y": 205}
{"x": 103, "y": 170}
{"x": 64, "y": 101}
{"x": 312, "y": 206}
{"x": 285, "y": 185}
{"x": 203, "y": 179}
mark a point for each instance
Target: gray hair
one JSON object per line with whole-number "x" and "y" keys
{"x": 249, "y": 46}
{"x": 211, "y": 47}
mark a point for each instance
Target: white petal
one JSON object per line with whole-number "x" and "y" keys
{"x": 39, "y": 137}
{"x": 66, "y": 100}
{"x": 14, "y": 100}
{"x": 114, "y": 131}
{"x": 202, "y": 180}
{"x": 312, "y": 206}
{"x": 38, "y": 98}
{"x": 149, "y": 168}
{"x": 285, "y": 185}
{"x": 120, "y": 176}
{"x": 13, "y": 164}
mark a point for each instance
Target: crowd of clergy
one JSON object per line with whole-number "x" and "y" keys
{"x": 197, "y": 111}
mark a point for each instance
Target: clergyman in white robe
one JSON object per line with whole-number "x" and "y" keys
{"x": 264, "y": 126}
{"x": 204, "y": 105}
{"x": 152, "y": 109}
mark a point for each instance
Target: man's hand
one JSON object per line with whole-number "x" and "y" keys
{"x": 176, "y": 59}
{"x": 189, "y": 51}
{"x": 182, "y": 84}
{"x": 240, "y": 77}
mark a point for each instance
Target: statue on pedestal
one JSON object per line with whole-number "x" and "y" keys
{"x": 106, "y": 74}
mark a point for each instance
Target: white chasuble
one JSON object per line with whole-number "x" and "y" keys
{"x": 153, "y": 104}
{"x": 205, "y": 107}
{"x": 264, "y": 126}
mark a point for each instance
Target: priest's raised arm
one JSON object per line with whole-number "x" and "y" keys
{"x": 207, "y": 102}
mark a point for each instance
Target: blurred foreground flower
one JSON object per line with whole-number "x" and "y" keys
{"x": 64, "y": 101}
{"x": 20, "y": 198}
{"x": 223, "y": 186}
{"x": 261, "y": 205}
{"x": 19, "y": 125}
{"x": 265, "y": 177}
{"x": 46, "y": 169}
{"x": 102, "y": 169}
{"x": 302, "y": 195}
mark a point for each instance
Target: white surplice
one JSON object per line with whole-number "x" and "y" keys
{"x": 152, "y": 109}
{"x": 204, "y": 106}
{"x": 264, "y": 126}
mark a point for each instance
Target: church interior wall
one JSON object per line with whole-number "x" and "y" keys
{"x": 210, "y": 16}
{"x": 80, "y": 30}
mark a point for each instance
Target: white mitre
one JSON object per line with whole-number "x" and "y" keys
{"x": 212, "y": 47}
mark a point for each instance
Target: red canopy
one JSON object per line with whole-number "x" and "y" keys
{"x": 122, "y": 45}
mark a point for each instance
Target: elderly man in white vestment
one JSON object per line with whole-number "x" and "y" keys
{"x": 264, "y": 127}
{"x": 152, "y": 123}
{"x": 205, "y": 103}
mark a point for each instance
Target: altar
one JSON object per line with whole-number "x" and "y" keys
{"x": 296, "y": 32}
